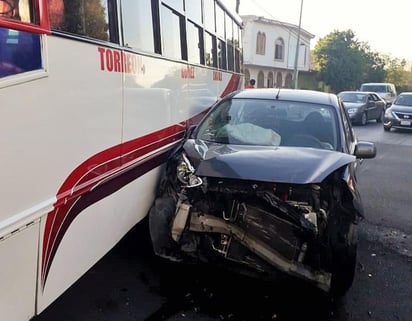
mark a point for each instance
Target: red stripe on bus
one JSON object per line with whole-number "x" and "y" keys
{"x": 100, "y": 167}
{"x": 106, "y": 166}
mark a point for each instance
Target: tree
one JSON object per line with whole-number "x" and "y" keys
{"x": 339, "y": 60}
{"x": 396, "y": 72}
{"x": 344, "y": 62}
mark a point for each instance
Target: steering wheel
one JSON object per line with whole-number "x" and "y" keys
{"x": 303, "y": 140}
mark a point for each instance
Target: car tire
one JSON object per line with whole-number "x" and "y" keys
{"x": 344, "y": 264}
{"x": 380, "y": 117}
{"x": 386, "y": 128}
{"x": 364, "y": 119}
{"x": 160, "y": 220}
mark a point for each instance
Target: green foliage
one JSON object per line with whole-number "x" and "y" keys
{"x": 343, "y": 62}
{"x": 85, "y": 18}
{"x": 396, "y": 72}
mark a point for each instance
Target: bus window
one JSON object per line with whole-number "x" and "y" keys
{"x": 230, "y": 44}
{"x": 194, "y": 46}
{"x": 19, "y": 52}
{"x": 220, "y": 22}
{"x": 210, "y": 50}
{"x": 84, "y": 17}
{"x": 194, "y": 11}
{"x": 175, "y": 4}
{"x": 170, "y": 26}
{"x": 137, "y": 25}
{"x": 16, "y": 9}
{"x": 209, "y": 13}
{"x": 222, "y": 55}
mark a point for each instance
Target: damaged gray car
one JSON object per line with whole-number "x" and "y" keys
{"x": 266, "y": 185}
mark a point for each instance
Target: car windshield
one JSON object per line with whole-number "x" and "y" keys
{"x": 353, "y": 97}
{"x": 270, "y": 123}
{"x": 405, "y": 100}
{"x": 374, "y": 88}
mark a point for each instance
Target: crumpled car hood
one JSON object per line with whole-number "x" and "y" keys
{"x": 296, "y": 165}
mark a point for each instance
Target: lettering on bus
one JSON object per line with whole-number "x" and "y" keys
{"x": 118, "y": 61}
{"x": 188, "y": 72}
{"x": 217, "y": 75}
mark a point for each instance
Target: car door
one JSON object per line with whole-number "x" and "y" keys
{"x": 380, "y": 105}
{"x": 372, "y": 109}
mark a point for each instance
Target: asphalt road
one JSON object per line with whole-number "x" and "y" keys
{"x": 131, "y": 284}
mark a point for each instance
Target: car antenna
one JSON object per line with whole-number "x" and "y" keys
{"x": 277, "y": 95}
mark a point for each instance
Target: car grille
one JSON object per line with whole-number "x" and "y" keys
{"x": 404, "y": 115}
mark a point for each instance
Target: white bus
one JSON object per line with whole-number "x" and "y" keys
{"x": 93, "y": 96}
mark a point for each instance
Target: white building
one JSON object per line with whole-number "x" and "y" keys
{"x": 269, "y": 48}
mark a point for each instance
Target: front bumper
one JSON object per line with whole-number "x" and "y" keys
{"x": 397, "y": 123}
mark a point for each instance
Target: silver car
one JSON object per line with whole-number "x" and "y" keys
{"x": 399, "y": 115}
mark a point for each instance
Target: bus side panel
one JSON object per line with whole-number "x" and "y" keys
{"x": 94, "y": 232}
{"x": 18, "y": 271}
{"x": 84, "y": 106}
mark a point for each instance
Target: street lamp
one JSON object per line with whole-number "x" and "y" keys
{"x": 295, "y": 72}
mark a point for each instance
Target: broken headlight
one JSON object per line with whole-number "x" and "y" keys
{"x": 185, "y": 173}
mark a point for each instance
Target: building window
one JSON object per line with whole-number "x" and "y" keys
{"x": 288, "y": 80}
{"x": 270, "y": 80}
{"x": 261, "y": 80}
{"x": 279, "y": 80}
{"x": 260, "y": 43}
{"x": 279, "y": 49}
{"x": 247, "y": 76}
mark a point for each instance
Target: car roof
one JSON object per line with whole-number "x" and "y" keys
{"x": 311, "y": 96}
{"x": 357, "y": 92}
{"x": 377, "y": 83}
{"x": 406, "y": 93}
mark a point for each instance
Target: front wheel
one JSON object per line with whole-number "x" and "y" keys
{"x": 386, "y": 128}
{"x": 380, "y": 117}
{"x": 344, "y": 264}
{"x": 364, "y": 119}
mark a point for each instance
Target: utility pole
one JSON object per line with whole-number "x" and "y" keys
{"x": 295, "y": 73}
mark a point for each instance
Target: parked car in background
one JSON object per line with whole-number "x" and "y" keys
{"x": 386, "y": 90}
{"x": 399, "y": 115}
{"x": 266, "y": 185}
{"x": 363, "y": 106}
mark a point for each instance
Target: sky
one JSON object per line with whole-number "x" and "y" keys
{"x": 384, "y": 25}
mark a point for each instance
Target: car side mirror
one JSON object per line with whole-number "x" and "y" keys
{"x": 365, "y": 150}
{"x": 189, "y": 131}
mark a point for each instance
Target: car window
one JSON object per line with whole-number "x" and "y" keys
{"x": 405, "y": 100}
{"x": 356, "y": 97}
{"x": 348, "y": 131}
{"x": 271, "y": 123}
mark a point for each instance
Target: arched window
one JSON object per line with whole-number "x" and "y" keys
{"x": 260, "y": 43}
{"x": 261, "y": 80}
{"x": 279, "y": 80}
{"x": 288, "y": 80}
{"x": 270, "y": 80}
{"x": 247, "y": 76}
{"x": 279, "y": 49}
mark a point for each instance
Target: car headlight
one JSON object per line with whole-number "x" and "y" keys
{"x": 352, "y": 111}
{"x": 389, "y": 114}
{"x": 185, "y": 173}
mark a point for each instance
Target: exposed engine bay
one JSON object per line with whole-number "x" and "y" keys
{"x": 303, "y": 230}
